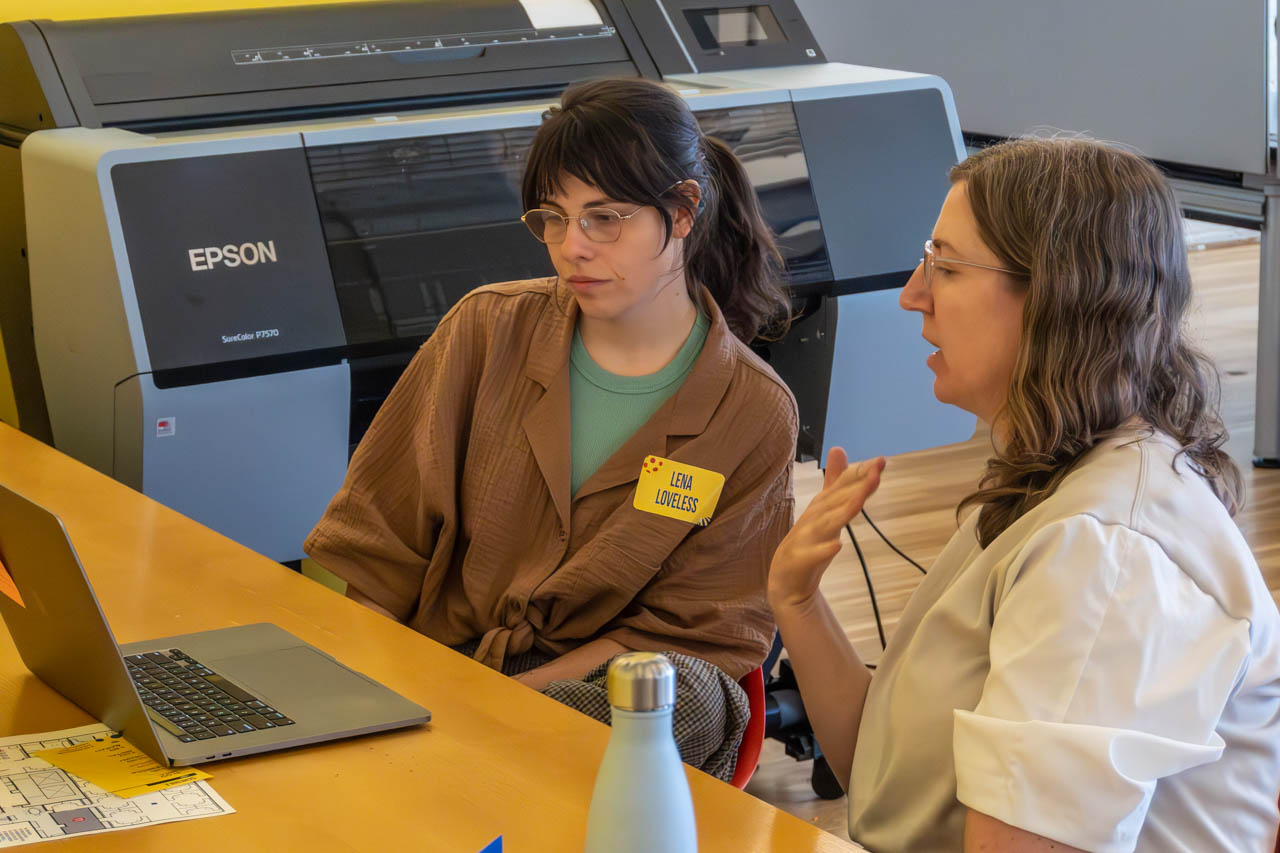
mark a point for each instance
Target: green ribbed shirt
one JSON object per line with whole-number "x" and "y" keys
{"x": 606, "y": 409}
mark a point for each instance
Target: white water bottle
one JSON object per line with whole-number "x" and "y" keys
{"x": 641, "y": 802}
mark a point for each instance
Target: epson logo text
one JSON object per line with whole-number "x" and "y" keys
{"x": 232, "y": 255}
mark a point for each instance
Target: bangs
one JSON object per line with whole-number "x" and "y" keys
{"x": 601, "y": 147}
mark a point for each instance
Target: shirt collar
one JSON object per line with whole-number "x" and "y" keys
{"x": 699, "y": 395}
{"x": 705, "y": 386}
{"x": 553, "y": 336}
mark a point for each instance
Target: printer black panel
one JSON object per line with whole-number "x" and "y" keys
{"x": 223, "y": 272}
{"x": 766, "y": 139}
{"x": 386, "y": 96}
{"x": 412, "y": 225}
{"x": 168, "y": 57}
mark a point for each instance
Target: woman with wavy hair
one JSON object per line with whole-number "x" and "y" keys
{"x": 1091, "y": 663}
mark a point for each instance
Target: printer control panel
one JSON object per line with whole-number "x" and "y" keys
{"x": 723, "y": 35}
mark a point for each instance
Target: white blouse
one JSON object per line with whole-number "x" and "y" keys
{"x": 1106, "y": 674}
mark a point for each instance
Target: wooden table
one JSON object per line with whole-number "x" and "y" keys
{"x": 497, "y": 758}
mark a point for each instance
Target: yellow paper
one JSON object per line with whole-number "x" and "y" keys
{"x": 116, "y": 766}
{"x": 677, "y": 490}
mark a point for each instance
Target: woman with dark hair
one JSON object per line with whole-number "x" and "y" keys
{"x": 596, "y": 463}
{"x": 1092, "y": 662}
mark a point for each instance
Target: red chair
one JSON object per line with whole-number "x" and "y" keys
{"x": 753, "y": 737}
{"x": 735, "y": 781}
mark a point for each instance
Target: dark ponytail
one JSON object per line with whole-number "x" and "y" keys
{"x": 636, "y": 140}
{"x": 731, "y": 250}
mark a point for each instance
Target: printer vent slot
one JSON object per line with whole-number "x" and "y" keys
{"x": 412, "y": 225}
{"x": 195, "y": 115}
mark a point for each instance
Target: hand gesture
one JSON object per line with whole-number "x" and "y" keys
{"x": 813, "y": 542}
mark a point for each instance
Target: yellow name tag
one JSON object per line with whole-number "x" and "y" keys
{"x": 677, "y": 490}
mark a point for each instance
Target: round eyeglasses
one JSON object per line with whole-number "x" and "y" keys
{"x": 600, "y": 224}
{"x": 931, "y": 259}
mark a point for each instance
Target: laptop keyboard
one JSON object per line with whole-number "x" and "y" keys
{"x": 192, "y": 702}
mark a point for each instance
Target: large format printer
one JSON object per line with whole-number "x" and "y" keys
{"x": 239, "y": 226}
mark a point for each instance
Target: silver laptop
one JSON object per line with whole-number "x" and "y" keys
{"x": 185, "y": 699}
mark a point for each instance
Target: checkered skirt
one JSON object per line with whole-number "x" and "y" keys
{"x": 710, "y": 716}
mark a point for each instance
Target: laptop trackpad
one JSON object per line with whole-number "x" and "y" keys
{"x": 303, "y": 682}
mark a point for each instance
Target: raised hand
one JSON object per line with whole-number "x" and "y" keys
{"x": 805, "y": 552}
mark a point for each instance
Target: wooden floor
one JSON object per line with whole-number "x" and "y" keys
{"x": 915, "y": 505}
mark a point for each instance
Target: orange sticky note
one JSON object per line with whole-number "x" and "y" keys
{"x": 7, "y": 586}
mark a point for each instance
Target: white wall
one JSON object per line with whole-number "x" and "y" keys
{"x": 1182, "y": 80}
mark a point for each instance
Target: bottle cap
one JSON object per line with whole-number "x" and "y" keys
{"x": 641, "y": 681}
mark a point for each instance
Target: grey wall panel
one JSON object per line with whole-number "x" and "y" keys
{"x": 1181, "y": 80}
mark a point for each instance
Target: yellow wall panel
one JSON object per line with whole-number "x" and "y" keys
{"x": 71, "y": 10}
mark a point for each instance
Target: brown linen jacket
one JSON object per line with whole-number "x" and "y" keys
{"x": 456, "y": 513}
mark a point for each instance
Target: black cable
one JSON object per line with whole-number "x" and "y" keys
{"x": 891, "y": 545}
{"x": 871, "y": 590}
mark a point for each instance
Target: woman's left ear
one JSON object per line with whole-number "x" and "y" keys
{"x": 682, "y": 221}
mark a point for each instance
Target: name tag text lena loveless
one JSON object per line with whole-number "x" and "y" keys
{"x": 680, "y": 499}
{"x": 678, "y": 490}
